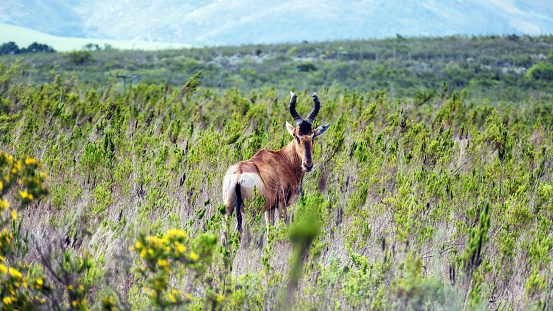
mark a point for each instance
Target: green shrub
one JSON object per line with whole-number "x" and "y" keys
{"x": 541, "y": 71}
{"x": 79, "y": 58}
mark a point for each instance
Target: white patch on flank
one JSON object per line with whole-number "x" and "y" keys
{"x": 229, "y": 182}
{"x": 248, "y": 181}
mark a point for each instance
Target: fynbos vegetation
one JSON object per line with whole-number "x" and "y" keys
{"x": 111, "y": 198}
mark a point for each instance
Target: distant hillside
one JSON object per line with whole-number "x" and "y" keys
{"x": 493, "y": 67}
{"x": 210, "y": 22}
{"x": 24, "y": 37}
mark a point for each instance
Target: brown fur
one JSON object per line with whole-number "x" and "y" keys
{"x": 280, "y": 171}
{"x": 277, "y": 175}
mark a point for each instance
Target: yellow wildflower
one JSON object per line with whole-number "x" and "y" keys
{"x": 14, "y": 214}
{"x": 153, "y": 240}
{"x": 162, "y": 262}
{"x": 39, "y": 282}
{"x": 176, "y": 233}
{"x": 7, "y": 300}
{"x": 15, "y": 273}
{"x": 181, "y": 248}
{"x": 42, "y": 300}
{"x": 69, "y": 287}
{"x": 23, "y": 194}
{"x": 194, "y": 256}
{"x": 31, "y": 197}
{"x": 138, "y": 245}
{"x": 30, "y": 161}
{"x": 4, "y": 204}
{"x": 75, "y": 303}
{"x": 3, "y": 269}
{"x": 220, "y": 298}
{"x": 1, "y": 185}
{"x": 173, "y": 299}
{"x": 188, "y": 296}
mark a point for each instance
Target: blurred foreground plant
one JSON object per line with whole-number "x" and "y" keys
{"x": 302, "y": 233}
{"x": 22, "y": 286}
{"x": 160, "y": 257}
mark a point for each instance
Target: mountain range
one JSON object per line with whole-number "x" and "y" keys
{"x": 233, "y": 22}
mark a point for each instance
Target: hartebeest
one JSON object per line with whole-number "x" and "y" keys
{"x": 276, "y": 174}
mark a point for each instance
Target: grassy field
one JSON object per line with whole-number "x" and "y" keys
{"x": 441, "y": 199}
{"x": 25, "y": 36}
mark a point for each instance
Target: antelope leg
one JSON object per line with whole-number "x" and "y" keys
{"x": 267, "y": 221}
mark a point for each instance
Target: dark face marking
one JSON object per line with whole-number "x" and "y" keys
{"x": 305, "y": 128}
{"x": 304, "y": 138}
{"x": 307, "y": 160}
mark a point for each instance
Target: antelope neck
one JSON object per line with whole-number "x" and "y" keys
{"x": 295, "y": 162}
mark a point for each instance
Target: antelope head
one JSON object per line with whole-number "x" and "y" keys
{"x": 303, "y": 132}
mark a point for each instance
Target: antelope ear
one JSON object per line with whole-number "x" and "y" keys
{"x": 290, "y": 128}
{"x": 322, "y": 129}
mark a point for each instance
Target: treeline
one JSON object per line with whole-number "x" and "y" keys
{"x": 11, "y": 48}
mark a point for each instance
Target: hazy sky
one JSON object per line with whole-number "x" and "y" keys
{"x": 546, "y": 4}
{"x": 216, "y": 22}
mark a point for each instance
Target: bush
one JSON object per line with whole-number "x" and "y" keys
{"x": 79, "y": 58}
{"x": 306, "y": 67}
{"x": 161, "y": 256}
{"x": 541, "y": 71}
{"x": 38, "y": 48}
{"x": 11, "y": 48}
{"x": 22, "y": 286}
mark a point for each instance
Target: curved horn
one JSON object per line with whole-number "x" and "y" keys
{"x": 311, "y": 117}
{"x": 297, "y": 118}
